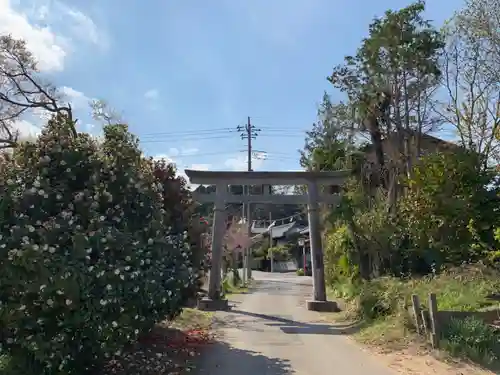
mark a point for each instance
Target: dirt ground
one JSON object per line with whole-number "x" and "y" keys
{"x": 415, "y": 361}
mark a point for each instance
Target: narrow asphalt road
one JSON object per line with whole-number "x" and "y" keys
{"x": 270, "y": 332}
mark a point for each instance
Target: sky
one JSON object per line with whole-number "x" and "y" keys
{"x": 185, "y": 74}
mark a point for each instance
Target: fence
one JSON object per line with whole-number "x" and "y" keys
{"x": 429, "y": 322}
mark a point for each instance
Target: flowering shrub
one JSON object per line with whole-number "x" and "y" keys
{"x": 86, "y": 260}
{"x": 179, "y": 209}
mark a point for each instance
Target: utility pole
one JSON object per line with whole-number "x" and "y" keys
{"x": 248, "y": 132}
{"x": 271, "y": 240}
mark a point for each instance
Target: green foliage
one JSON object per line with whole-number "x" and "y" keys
{"x": 402, "y": 48}
{"x": 279, "y": 253}
{"x": 472, "y": 338}
{"x": 465, "y": 288}
{"x": 300, "y": 272}
{"x": 326, "y": 144}
{"x": 448, "y": 207}
{"x": 339, "y": 257}
{"x": 179, "y": 214}
{"x": 87, "y": 263}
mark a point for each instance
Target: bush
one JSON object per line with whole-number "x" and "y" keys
{"x": 278, "y": 253}
{"x": 300, "y": 272}
{"x": 179, "y": 210}
{"x": 472, "y": 338}
{"x": 465, "y": 288}
{"x": 86, "y": 261}
{"x": 451, "y": 204}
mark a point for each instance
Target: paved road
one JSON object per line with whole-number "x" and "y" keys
{"x": 270, "y": 332}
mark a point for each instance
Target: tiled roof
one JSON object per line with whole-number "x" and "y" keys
{"x": 282, "y": 230}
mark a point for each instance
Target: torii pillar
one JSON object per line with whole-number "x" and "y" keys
{"x": 312, "y": 179}
{"x": 215, "y": 300}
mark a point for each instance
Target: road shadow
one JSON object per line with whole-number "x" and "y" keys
{"x": 220, "y": 358}
{"x": 295, "y": 327}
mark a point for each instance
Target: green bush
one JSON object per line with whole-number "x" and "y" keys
{"x": 472, "y": 338}
{"x": 86, "y": 260}
{"x": 300, "y": 272}
{"x": 451, "y": 204}
{"x": 179, "y": 211}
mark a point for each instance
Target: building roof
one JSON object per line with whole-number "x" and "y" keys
{"x": 278, "y": 231}
{"x": 412, "y": 133}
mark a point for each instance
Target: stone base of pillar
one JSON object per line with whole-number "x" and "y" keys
{"x": 208, "y": 304}
{"x": 322, "y": 306}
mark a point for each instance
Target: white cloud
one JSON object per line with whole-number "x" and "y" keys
{"x": 189, "y": 151}
{"x": 85, "y": 28}
{"x": 239, "y": 163}
{"x": 77, "y": 99}
{"x": 152, "y": 94}
{"x": 26, "y": 129}
{"x": 49, "y": 29}
{"x": 201, "y": 167}
{"x": 181, "y": 167}
{"x": 46, "y": 46}
{"x": 164, "y": 156}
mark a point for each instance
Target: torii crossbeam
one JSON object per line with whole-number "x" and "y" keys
{"x": 222, "y": 179}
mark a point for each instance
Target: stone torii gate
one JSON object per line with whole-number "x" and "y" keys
{"x": 222, "y": 179}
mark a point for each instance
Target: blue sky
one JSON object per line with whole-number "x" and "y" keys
{"x": 185, "y": 73}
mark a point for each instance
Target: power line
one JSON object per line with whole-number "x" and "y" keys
{"x": 205, "y": 154}
{"x": 200, "y": 137}
{"x": 189, "y": 132}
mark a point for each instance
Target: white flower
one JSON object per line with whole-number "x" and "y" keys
{"x": 103, "y": 302}
{"x": 150, "y": 241}
{"x": 69, "y": 302}
{"x": 50, "y": 302}
{"x": 114, "y": 324}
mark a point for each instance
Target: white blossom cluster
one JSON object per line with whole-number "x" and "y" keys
{"x": 87, "y": 262}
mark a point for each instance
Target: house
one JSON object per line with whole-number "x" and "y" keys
{"x": 280, "y": 233}
{"x": 428, "y": 144}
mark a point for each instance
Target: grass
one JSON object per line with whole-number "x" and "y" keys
{"x": 383, "y": 306}
{"x": 231, "y": 286}
{"x": 191, "y": 319}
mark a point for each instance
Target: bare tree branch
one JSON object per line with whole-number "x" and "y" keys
{"x": 22, "y": 90}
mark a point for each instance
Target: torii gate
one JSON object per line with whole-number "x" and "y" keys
{"x": 222, "y": 179}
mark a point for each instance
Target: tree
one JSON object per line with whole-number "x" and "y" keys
{"x": 87, "y": 261}
{"x": 326, "y": 144}
{"x": 471, "y": 65}
{"x": 236, "y": 240}
{"x": 102, "y": 111}
{"x": 391, "y": 80}
{"x": 23, "y": 90}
